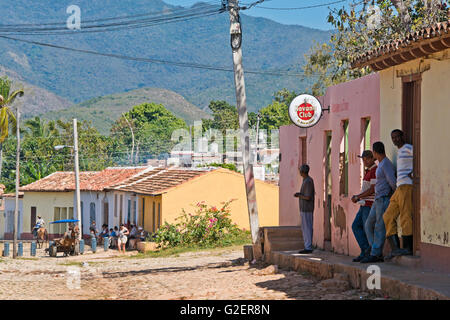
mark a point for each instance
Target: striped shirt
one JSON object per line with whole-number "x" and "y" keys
{"x": 369, "y": 180}
{"x": 404, "y": 164}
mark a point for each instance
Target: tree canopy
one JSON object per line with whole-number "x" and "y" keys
{"x": 145, "y": 130}
{"x": 363, "y": 27}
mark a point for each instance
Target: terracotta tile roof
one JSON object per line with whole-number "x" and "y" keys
{"x": 12, "y": 195}
{"x": 112, "y": 176}
{"x": 89, "y": 180}
{"x": 60, "y": 181}
{"x": 159, "y": 180}
{"x": 417, "y": 44}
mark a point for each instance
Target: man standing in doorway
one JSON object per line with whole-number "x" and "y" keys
{"x": 401, "y": 201}
{"x": 384, "y": 187}
{"x": 306, "y": 201}
{"x": 365, "y": 199}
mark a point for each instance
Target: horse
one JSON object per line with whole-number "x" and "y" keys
{"x": 69, "y": 241}
{"x": 42, "y": 236}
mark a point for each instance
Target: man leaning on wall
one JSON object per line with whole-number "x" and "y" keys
{"x": 384, "y": 187}
{"x": 365, "y": 198}
{"x": 306, "y": 202}
{"x": 401, "y": 201}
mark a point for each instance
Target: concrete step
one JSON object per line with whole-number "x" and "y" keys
{"x": 396, "y": 281}
{"x": 283, "y": 232}
{"x": 284, "y": 245}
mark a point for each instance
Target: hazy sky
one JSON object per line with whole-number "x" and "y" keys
{"x": 312, "y": 17}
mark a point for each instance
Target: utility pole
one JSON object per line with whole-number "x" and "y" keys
{"x": 257, "y": 137}
{"x": 236, "y": 41}
{"x": 132, "y": 139}
{"x": 77, "y": 176}
{"x": 16, "y": 209}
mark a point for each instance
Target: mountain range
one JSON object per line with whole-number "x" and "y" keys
{"x": 75, "y": 77}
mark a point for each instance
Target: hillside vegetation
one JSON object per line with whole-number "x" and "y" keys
{"x": 104, "y": 111}
{"x": 36, "y": 100}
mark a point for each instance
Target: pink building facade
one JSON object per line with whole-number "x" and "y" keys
{"x": 330, "y": 148}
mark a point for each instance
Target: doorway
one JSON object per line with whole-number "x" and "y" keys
{"x": 106, "y": 212}
{"x": 33, "y": 218}
{"x": 328, "y": 191}
{"x": 302, "y": 159}
{"x": 411, "y": 95}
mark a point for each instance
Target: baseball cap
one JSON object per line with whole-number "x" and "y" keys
{"x": 366, "y": 153}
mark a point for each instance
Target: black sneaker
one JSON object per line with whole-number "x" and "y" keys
{"x": 358, "y": 258}
{"x": 305, "y": 251}
{"x": 371, "y": 259}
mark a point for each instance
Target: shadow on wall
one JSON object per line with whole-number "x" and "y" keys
{"x": 339, "y": 219}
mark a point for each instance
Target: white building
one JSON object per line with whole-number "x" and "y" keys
{"x": 7, "y": 216}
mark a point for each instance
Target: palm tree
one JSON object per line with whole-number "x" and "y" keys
{"x": 7, "y": 117}
{"x": 38, "y": 128}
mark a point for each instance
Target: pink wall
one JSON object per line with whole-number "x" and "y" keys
{"x": 350, "y": 101}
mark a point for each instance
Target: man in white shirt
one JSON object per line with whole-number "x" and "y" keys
{"x": 401, "y": 201}
{"x": 40, "y": 223}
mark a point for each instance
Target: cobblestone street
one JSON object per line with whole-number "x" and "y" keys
{"x": 216, "y": 274}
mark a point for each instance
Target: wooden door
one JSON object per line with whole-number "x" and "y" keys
{"x": 106, "y": 213}
{"x": 121, "y": 210}
{"x": 303, "y": 152}
{"x": 33, "y": 218}
{"x": 328, "y": 187}
{"x": 411, "y": 107}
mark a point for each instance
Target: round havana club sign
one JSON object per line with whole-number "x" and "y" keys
{"x": 305, "y": 111}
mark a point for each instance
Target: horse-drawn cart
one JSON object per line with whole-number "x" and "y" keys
{"x": 68, "y": 244}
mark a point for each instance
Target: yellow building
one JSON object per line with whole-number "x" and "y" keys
{"x": 164, "y": 193}
{"x": 415, "y": 97}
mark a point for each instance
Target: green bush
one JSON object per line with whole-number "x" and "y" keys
{"x": 207, "y": 226}
{"x": 229, "y": 166}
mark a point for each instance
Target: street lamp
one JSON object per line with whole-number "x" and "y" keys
{"x": 77, "y": 173}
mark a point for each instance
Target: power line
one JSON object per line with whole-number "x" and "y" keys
{"x": 306, "y": 7}
{"x": 249, "y": 6}
{"x": 114, "y": 26}
{"x": 157, "y": 61}
{"x": 163, "y": 13}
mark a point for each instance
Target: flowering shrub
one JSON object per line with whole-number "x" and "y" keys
{"x": 207, "y": 226}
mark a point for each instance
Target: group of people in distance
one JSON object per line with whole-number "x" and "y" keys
{"x": 121, "y": 238}
{"x": 385, "y": 196}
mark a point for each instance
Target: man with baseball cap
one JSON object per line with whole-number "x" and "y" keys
{"x": 365, "y": 198}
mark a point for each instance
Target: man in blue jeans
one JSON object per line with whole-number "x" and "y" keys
{"x": 365, "y": 198}
{"x": 306, "y": 204}
{"x": 384, "y": 188}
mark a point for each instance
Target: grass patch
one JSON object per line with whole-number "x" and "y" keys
{"x": 176, "y": 251}
{"x": 21, "y": 258}
{"x": 71, "y": 263}
{"x": 80, "y": 264}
